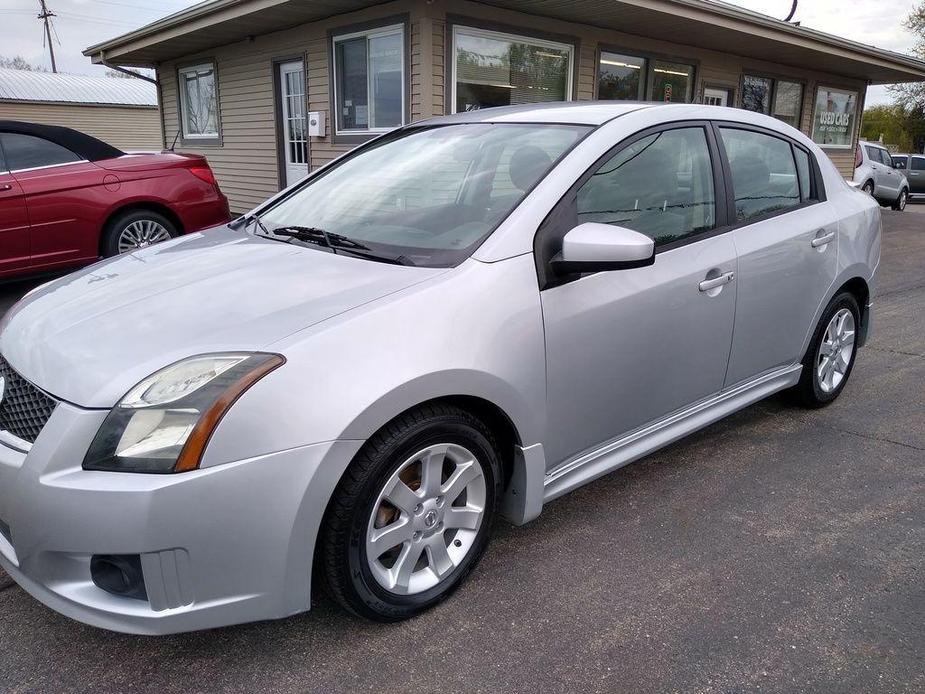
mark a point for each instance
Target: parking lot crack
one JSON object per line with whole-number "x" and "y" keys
{"x": 896, "y": 351}
{"x": 878, "y": 439}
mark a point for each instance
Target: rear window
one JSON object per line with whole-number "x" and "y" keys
{"x": 29, "y": 152}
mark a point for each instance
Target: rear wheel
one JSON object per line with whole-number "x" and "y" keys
{"x": 831, "y": 354}
{"x": 136, "y": 229}
{"x": 412, "y": 515}
{"x": 901, "y": 201}
{"x": 869, "y": 188}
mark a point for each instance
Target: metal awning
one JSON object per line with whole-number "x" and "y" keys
{"x": 702, "y": 23}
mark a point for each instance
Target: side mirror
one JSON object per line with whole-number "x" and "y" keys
{"x": 595, "y": 247}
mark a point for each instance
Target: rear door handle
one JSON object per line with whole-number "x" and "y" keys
{"x": 5, "y": 187}
{"x": 824, "y": 239}
{"x": 725, "y": 278}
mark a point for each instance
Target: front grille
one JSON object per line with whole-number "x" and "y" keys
{"x": 24, "y": 409}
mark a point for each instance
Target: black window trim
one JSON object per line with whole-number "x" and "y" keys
{"x": 817, "y": 187}
{"x": 7, "y": 169}
{"x": 563, "y": 217}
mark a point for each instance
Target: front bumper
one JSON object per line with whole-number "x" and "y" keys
{"x": 224, "y": 545}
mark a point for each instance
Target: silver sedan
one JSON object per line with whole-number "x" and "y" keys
{"x": 463, "y": 319}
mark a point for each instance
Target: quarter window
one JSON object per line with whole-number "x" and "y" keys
{"x": 27, "y": 152}
{"x": 369, "y": 78}
{"x": 198, "y": 101}
{"x": 764, "y": 174}
{"x": 494, "y": 69}
{"x": 805, "y": 172}
{"x": 661, "y": 186}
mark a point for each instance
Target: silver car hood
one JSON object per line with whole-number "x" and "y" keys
{"x": 87, "y": 338}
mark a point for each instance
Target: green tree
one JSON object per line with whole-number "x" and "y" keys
{"x": 891, "y": 122}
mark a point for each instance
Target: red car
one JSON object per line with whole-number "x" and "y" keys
{"x": 66, "y": 198}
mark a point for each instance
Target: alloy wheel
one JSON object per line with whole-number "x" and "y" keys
{"x": 903, "y": 199}
{"x": 836, "y": 351}
{"x": 426, "y": 519}
{"x": 141, "y": 234}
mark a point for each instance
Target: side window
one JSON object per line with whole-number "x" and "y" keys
{"x": 764, "y": 174}
{"x": 27, "y": 152}
{"x": 885, "y": 157}
{"x": 805, "y": 172}
{"x": 873, "y": 154}
{"x": 661, "y": 186}
{"x": 900, "y": 162}
{"x": 917, "y": 164}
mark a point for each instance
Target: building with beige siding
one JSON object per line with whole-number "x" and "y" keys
{"x": 122, "y": 112}
{"x": 271, "y": 89}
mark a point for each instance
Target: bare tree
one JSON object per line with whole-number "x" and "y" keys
{"x": 913, "y": 95}
{"x": 17, "y": 62}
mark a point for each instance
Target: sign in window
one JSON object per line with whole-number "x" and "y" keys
{"x": 834, "y": 117}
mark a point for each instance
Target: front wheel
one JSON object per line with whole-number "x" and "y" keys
{"x": 901, "y": 201}
{"x": 412, "y": 515}
{"x": 831, "y": 354}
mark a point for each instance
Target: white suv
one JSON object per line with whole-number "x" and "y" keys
{"x": 877, "y": 175}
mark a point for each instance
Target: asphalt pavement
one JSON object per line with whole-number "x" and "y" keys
{"x": 781, "y": 550}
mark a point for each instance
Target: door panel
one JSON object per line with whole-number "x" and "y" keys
{"x": 14, "y": 227}
{"x": 293, "y": 121}
{"x": 782, "y": 279}
{"x": 916, "y": 175}
{"x": 66, "y": 206}
{"x": 628, "y": 347}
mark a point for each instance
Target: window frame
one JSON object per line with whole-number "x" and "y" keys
{"x": 775, "y": 79}
{"x": 564, "y": 215}
{"x": 858, "y": 113}
{"x": 4, "y": 160}
{"x": 204, "y": 140}
{"x": 817, "y": 187}
{"x": 386, "y": 26}
{"x": 504, "y": 32}
{"x": 649, "y": 58}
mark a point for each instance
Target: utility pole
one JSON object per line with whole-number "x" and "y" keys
{"x": 46, "y": 16}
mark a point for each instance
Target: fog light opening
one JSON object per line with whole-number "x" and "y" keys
{"x": 119, "y": 574}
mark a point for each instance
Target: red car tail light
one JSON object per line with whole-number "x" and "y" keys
{"x": 204, "y": 173}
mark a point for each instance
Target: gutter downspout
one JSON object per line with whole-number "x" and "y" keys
{"x": 124, "y": 70}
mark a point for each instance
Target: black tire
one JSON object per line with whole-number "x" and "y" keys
{"x": 900, "y": 204}
{"x": 808, "y": 391}
{"x": 869, "y": 188}
{"x": 341, "y": 554}
{"x": 114, "y": 229}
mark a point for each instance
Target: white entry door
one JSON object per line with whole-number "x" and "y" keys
{"x": 715, "y": 97}
{"x": 292, "y": 112}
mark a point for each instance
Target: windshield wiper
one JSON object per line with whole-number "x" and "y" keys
{"x": 315, "y": 234}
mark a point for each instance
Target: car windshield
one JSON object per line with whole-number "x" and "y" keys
{"x": 429, "y": 195}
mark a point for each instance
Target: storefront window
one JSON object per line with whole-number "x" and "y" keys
{"x": 494, "y": 69}
{"x": 369, "y": 80}
{"x": 788, "y": 102}
{"x": 834, "y": 117}
{"x": 756, "y": 94}
{"x": 671, "y": 82}
{"x": 621, "y": 77}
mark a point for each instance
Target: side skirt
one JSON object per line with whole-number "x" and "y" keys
{"x": 615, "y": 454}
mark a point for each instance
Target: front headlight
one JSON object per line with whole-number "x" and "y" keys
{"x": 164, "y": 423}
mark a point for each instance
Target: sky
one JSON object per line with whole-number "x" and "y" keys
{"x": 81, "y": 23}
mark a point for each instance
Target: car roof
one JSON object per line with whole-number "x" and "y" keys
{"x": 83, "y": 145}
{"x": 573, "y": 112}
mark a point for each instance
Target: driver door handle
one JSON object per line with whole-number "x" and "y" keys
{"x": 5, "y": 186}
{"x": 824, "y": 239}
{"x": 725, "y": 278}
